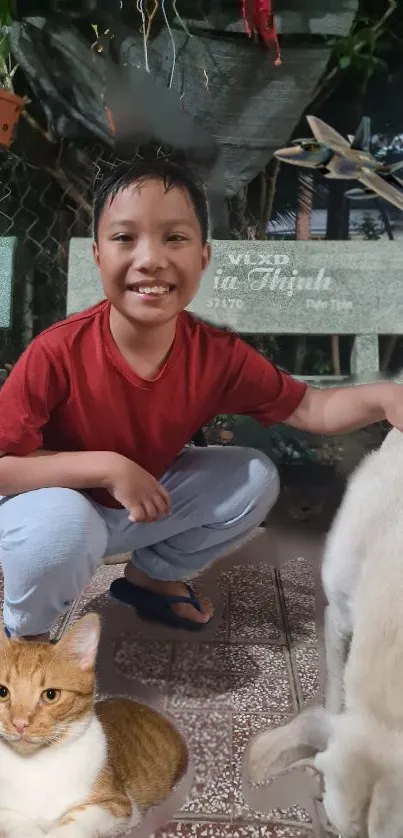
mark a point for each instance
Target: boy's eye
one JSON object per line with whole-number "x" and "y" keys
{"x": 176, "y": 237}
{"x": 122, "y": 237}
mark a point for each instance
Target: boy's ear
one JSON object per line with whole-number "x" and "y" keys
{"x": 95, "y": 252}
{"x": 206, "y": 256}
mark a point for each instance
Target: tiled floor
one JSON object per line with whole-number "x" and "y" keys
{"x": 255, "y": 669}
{"x": 252, "y": 672}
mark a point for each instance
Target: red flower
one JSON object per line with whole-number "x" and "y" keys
{"x": 259, "y": 18}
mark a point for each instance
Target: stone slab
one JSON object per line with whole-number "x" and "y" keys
{"x": 7, "y": 254}
{"x": 314, "y": 288}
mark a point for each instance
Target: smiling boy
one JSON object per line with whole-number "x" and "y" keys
{"x": 97, "y": 413}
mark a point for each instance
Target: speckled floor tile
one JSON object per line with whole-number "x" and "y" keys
{"x": 146, "y": 662}
{"x": 254, "y": 616}
{"x": 232, "y": 830}
{"x": 95, "y": 597}
{"x": 209, "y": 737}
{"x": 238, "y": 677}
{"x": 246, "y": 725}
{"x": 102, "y": 579}
{"x": 298, "y": 584}
{"x": 103, "y": 605}
{"x": 307, "y": 670}
{"x": 221, "y": 631}
{"x": 1, "y": 591}
{"x": 267, "y": 688}
{"x": 206, "y": 658}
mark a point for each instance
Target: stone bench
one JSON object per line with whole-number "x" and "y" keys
{"x": 8, "y": 245}
{"x": 287, "y": 288}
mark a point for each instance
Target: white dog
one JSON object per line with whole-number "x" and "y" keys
{"x": 356, "y": 741}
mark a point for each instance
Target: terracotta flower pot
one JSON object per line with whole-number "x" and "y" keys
{"x": 10, "y": 111}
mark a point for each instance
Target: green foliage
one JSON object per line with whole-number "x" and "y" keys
{"x": 5, "y": 17}
{"x": 369, "y": 229}
{"x": 284, "y": 445}
{"x": 5, "y": 22}
{"x": 267, "y": 345}
{"x": 364, "y": 47}
{"x": 319, "y": 363}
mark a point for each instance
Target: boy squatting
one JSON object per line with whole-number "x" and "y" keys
{"x": 96, "y": 416}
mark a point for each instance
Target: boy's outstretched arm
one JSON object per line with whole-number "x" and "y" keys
{"x": 342, "y": 409}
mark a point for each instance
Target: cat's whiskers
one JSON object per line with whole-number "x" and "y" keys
{"x": 9, "y": 737}
{"x": 58, "y": 735}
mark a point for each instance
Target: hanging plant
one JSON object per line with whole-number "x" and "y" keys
{"x": 11, "y": 105}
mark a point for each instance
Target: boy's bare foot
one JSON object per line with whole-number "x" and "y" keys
{"x": 182, "y": 609}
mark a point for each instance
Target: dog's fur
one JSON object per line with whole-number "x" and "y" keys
{"x": 356, "y": 741}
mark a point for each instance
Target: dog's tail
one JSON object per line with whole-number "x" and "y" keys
{"x": 273, "y": 751}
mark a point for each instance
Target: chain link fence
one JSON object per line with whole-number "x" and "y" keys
{"x": 44, "y": 207}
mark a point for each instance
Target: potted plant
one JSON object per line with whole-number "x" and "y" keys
{"x": 11, "y": 105}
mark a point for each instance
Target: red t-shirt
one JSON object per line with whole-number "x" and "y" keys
{"x": 72, "y": 390}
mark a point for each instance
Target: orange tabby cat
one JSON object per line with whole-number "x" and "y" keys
{"x": 70, "y": 767}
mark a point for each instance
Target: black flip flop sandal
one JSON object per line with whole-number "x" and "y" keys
{"x": 156, "y": 608}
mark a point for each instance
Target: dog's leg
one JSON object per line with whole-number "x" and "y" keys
{"x": 386, "y": 811}
{"x": 337, "y": 645}
{"x": 277, "y": 749}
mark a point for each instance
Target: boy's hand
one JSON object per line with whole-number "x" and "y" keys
{"x": 137, "y": 490}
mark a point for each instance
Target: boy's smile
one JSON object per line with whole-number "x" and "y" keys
{"x": 150, "y": 252}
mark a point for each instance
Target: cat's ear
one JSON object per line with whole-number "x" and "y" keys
{"x": 80, "y": 644}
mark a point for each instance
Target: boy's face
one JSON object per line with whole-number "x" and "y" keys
{"x": 150, "y": 252}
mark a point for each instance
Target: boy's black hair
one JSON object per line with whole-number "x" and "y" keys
{"x": 139, "y": 171}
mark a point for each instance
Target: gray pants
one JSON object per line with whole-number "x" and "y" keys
{"x": 53, "y": 540}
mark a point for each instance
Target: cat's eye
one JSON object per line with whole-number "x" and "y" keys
{"x": 50, "y": 696}
{"x": 4, "y": 693}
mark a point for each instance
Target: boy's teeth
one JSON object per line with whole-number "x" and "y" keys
{"x": 156, "y": 289}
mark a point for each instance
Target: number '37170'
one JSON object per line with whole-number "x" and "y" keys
{"x": 225, "y": 302}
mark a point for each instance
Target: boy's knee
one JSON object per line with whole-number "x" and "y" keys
{"x": 51, "y": 543}
{"x": 258, "y": 481}
{"x": 71, "y": 519}
{"x": 55, "y": 524}
{"x": 264, "y": 478}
